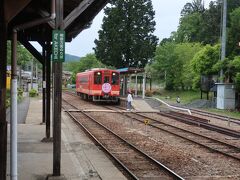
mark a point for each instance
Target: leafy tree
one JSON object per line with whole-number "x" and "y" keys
{"x": 197, "y": 6}
{"x": 185, "y": 53}
{"x": 189, "y": 28}
{"x": 232, "y": 4}
{"x": 71, "y": 66}
{"x": 126, "y": 38}
{"x": 237, "y": 82}
{"x": 236, "y": 63}
{"x": 164, "y": 64}
{"x": 233, "y": 73}
{"x": 211, "y": 24}
{"x": 23, "y": 55}
{"x": 204, "y": 61}
{"x": 88, "y": 62}
{"x": 198, "y": 24}
{"x": 171, "y": 64}
{"x": 234, "y": 33}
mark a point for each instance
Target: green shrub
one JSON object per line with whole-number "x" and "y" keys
{"x": 20, "y": 92}
{"x": 33, "y": 93}
{"x": 7, "y": 103}
{"x": 8, "y": 98}
{"x": 237, "y": 82}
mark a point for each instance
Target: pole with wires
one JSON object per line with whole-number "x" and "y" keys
{"x": 223, "y": 40}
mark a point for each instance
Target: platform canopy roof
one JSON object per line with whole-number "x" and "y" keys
{"x": 77, "y": 15}
{"x": 130, "y": 70}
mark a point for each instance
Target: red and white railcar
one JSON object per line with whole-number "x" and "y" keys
{"x": 98, "y": 84}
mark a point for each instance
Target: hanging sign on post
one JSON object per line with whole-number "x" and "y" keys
{"x": 58, "y": 45}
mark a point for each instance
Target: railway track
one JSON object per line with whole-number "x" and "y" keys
{"x": 199, "y": 139}
{"x": 199, "y": 122}
{"x": 217, "y": 116}
{"x": 134, "y": 161}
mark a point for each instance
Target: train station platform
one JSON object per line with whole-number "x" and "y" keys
{"x": 80, "y": 159}
{"x": 141, "y": 105}
{"x": 138, "y": 104}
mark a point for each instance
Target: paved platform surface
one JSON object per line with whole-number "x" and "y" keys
{"x": 21, "y": 111}
{"x": 81, "y": 159}
{"x": 138, "y": 104}
{"x": 141, "y": 105}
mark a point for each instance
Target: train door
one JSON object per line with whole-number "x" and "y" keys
{"x": 106, "y": 87}
{"x": 106, "y": 77}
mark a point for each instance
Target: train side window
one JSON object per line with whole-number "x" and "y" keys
{"x": 97, "y": 78}
{"x": 106, "y": 79}
{"x": 115, "y": 78}
{"x": 83, "y": 80}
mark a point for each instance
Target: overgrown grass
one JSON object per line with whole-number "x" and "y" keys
{"x": 185, "y": 96}
{"x": 226, "y": 113}
{"x": 189, "y": 96}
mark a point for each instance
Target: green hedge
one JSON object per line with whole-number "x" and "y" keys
{"x": 33, "y": 93}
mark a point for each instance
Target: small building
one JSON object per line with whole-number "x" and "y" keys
{"x": 126, "y": 75}
{"x": 225, "y": 96}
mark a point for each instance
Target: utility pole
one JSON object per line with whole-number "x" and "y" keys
{"x": 223, "y": 41}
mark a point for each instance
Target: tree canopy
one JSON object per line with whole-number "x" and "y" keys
{"x": 87, "y": 62}
{"x": 172, "y": 64}
{"x": 126, "y": 38}
{"x": 23, "y": 55}
{"x": 202, "y": 25}
{"x": 197, "y": 6}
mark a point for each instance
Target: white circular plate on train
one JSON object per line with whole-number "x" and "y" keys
{"x": 106, "y": 87}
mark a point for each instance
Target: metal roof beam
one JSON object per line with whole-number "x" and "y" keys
{"x": 76, "y": 12}
{"x": 44, "y": 13}
{"x": 32, "y": 50}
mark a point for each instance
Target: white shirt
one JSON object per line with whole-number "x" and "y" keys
{"x": 129, "y": 98}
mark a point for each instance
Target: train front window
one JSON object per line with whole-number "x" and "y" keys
{"x": 97, "y": 78}
{"x": 106, "y": 79}
{"x": 115, "y": 78}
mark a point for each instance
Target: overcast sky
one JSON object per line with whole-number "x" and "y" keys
{"x": 167, "y": 14}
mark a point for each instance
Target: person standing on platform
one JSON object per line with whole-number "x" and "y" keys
{"x": 178, "y": 99}
{"x": 129, "y": 101}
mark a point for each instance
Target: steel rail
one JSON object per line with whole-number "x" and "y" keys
{"x": 218, "y": 116}
{"x": 200, "y": 123}
{"x": 102, "y": 146}
{"x": 222, "y": 130}
{"x": 235, "y": 148}
{"x": 172, "y": 173}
